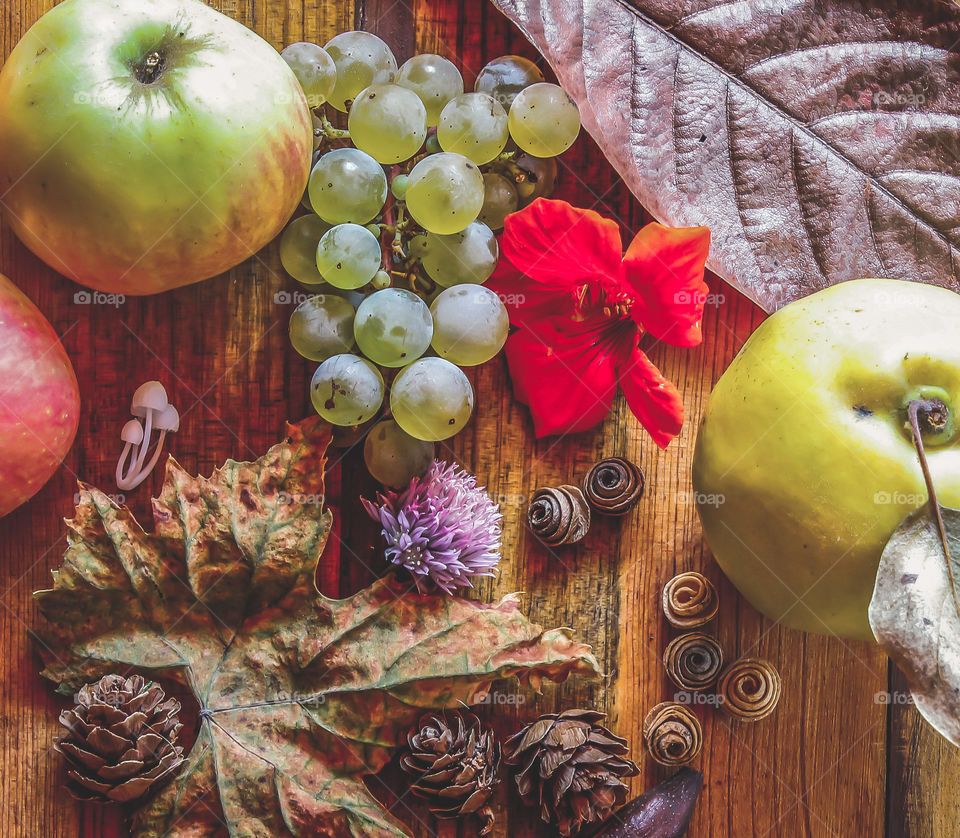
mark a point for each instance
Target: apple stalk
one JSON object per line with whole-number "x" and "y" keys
{"x": 934, "y": 416}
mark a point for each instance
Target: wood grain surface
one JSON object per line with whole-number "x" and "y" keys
{"x": 837, "y": 759}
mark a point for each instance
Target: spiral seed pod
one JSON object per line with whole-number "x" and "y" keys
{"x": 613, "y": 486}
{"x": 690, "y": 600}
{"x": 750, "y": 689}
{"x": 559, "y": 516}
{"x": 672, "y": 733}
{"x": 693, "y": 661}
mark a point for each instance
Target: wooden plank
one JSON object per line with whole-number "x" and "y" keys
{"x": 817, "y": 768}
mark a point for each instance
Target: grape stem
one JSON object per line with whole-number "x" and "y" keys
{"x": 398, "y": 231}
{"x": 331, "y": 132}
{"x": 388, "y": 229}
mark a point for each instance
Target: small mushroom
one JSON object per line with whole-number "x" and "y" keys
{"x": 150, "y": 404}
{"x": 148, "y": 401}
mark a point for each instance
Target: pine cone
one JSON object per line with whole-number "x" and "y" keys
{"x": 121, "y": 740}
{"x": 571, "y": 767}
{"x": 454, "y": 761}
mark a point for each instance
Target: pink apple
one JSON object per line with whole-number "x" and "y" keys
{"x": 39, "y": 399}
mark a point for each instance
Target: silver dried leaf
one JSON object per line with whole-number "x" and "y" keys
{"x": 914, "y": 614}
{"x": 818, "y": 139}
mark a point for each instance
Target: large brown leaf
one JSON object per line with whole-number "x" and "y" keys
{"x": 300, "y": 695}
{"x": 818, "y": 139}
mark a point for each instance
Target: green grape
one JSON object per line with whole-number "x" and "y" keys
{"x": 474, "y": 125}
{"x": 398, "y": 186}
{"x": 317, "y": 132}
{"x": 544, "y": 120}
{"x": 470, "y": 325}
{"x": 499, "y": 200}
{"x": 432, "y": 146}
{"x": 468, "y": 256}
{"x": 314, "y": 69}
{"x": 540, "y": 176}
{"x": 381, "y": 280}
{"x": 393, "y": 457}
{"x": 445, "y": 193}
{"x": 298, "y": 248}
{"x": 431, "y": 399}
{"x": 346, "y": 390}
{"x": 322, "y": 326}
{"x": 347, "y": 184}
{"x": 434, "y": 79}
{"x": 504, "y": 77}
{"x": 348, "y": 256}
{"x": 393, "y": 327}
{"x": 388, "y": 122}
{"x": 374, "y": 229}
{"x": 361, "y": 59}
{"x": 417, "y": 245}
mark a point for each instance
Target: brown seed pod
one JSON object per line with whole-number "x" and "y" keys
{"x": 690, "y": 600}
{"x": 672, "y": 733}
{"x": 750, "y": 689}
{"x": 693, "y": 661}
{"x": 559, "y": 516}
{"x": 613, "y": 486}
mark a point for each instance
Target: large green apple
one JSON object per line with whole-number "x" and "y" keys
{"x": 804, "y": 465}
{"x": 147, "y": 144}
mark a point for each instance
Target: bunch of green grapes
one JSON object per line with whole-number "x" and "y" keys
{"x": 403, "y": 205}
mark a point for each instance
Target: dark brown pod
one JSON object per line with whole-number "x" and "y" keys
{"x": 690, "y": 600}
{"x": 693, "y": 660}
{"x": 613, "y": 486}
{"x": 672, "y": 733}
{"x": 559, "y": 516}
{"x": 662, "y": 812}
{"x": 750, "y": 689}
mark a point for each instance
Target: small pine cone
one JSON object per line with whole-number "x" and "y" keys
{"x": 454, "y": 761}
{"x": 559, "y": 516}
{"x": 121, "y": 739}
{"x": 613, "y": 486}
{"x": 571, "y": 766}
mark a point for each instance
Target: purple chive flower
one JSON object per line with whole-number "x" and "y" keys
{"x": 442, "y": 528}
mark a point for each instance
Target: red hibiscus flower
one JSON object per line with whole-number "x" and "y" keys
{"x": 581, "y": 307}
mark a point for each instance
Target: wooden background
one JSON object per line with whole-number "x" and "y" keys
{"x": 833, "y": 761}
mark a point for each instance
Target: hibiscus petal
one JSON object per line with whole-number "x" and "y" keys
{"x": 568, "y": 383}
{"x": 652, "y": 398}
{"x": 663, "y": 270}
{"x": 528, "y": 302}
{"x": 562, "y": 246}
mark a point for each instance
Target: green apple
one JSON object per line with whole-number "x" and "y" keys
{"x": 804, "y": 464}
{"x": 147, "y": 144}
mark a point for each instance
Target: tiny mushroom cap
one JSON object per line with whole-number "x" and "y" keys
{"x": 149, "y": 396}
{"x": 167, "y": 420}
{"x": 132, "y": 432}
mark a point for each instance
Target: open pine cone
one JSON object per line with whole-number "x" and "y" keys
{"x": 571, "y": 768}
{"x": 121, "y": 739}
{"x": 454, "y": 762}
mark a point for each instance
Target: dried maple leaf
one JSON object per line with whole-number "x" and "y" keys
{"x": 818, "y": 139}
{"x": 300, "y": 695}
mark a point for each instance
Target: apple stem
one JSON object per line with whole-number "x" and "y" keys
{"x": 150, "y": 69}
{"x": 935, "y": 414}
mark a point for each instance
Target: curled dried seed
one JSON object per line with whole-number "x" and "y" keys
{"x": 690, "y": 600}
{"x": 613, "y": 486}
{"x": 693, "y": 661}
{"x": 672, "y": 733}
{"x": 750, "y": 689}
{"x": 559, "y": 516}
